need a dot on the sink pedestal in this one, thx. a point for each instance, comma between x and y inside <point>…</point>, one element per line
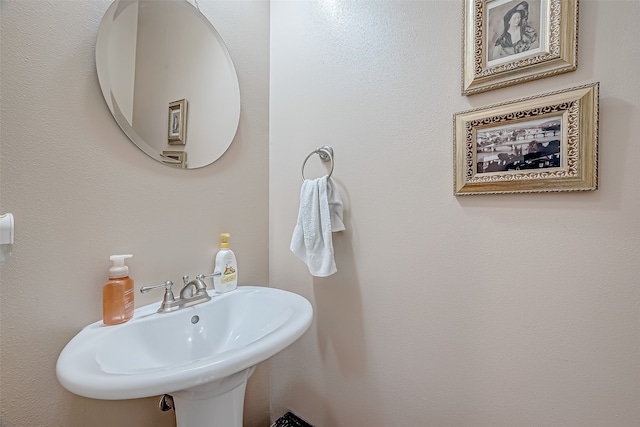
<point>218,403</point>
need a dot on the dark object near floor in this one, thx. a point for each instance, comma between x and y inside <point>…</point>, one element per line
<point>290,420</point>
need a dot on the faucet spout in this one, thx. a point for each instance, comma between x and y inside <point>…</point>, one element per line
<point>193,288</point>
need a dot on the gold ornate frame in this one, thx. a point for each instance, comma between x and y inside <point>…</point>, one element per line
<point>177,159</point>
<point>576,110</point>
<point>177,123</point>
<point>557,53</point>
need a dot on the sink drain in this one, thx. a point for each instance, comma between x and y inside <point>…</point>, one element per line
<point>195,319</point>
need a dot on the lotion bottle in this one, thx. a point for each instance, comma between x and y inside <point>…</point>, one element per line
<point>227,266</point>
<point>117,294</point>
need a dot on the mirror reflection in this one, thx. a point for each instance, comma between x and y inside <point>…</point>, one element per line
<point>168,80</point>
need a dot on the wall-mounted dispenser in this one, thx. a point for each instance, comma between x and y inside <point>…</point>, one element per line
<point>6,237</point>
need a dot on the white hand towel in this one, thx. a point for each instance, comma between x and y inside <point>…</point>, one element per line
<point>320,214</point>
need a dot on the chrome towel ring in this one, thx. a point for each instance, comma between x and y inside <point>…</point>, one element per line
<point>325,153</point>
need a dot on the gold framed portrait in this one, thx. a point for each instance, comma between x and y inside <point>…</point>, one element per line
<point>506,42</point>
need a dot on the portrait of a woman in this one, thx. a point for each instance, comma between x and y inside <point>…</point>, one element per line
<point>518,36</point>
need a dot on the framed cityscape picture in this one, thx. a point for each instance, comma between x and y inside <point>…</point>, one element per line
<point>539,144</point>
<point>177,159</point>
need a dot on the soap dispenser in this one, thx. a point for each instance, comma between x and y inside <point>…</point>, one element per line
<point>225,264</point>
<point>117,294</point>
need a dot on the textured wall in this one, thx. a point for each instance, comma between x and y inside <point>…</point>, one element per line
<point>517,310</point>
<point>80,191</point>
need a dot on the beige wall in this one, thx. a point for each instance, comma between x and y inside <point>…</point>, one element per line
<point>80,191</point>
<point>518,310</point>
<point>480,311</point>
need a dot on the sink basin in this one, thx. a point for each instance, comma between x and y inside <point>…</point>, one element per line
<point>207,349</point>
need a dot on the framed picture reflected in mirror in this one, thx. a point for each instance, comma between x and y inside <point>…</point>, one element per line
<point>177,128</point>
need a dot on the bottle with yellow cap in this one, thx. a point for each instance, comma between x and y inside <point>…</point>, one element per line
<point>227,266</point>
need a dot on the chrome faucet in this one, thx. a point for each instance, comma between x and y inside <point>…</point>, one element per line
<point>193,292</point>
<point>193,288</point>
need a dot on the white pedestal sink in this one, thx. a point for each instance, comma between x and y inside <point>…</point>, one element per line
<point>201,355</point>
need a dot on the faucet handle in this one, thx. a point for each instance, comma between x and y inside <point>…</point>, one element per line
<point>202,286</point>
<point>167,286</point>
<point>168,299</point>
<point>206,276</point>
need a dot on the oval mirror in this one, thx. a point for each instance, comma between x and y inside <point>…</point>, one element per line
<point>168,80</point>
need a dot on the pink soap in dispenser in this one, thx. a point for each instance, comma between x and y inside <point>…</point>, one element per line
<point>117,294</point>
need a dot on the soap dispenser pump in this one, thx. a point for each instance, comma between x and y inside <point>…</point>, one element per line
<point>117,294</point>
